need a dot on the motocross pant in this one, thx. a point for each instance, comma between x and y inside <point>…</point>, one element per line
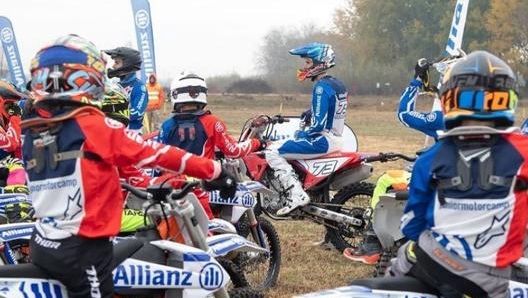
<point>452,275</point>
<point>83,265</point>
<point>278,153</point>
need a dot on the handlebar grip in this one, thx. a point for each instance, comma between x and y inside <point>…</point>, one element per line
<point>181,193</point>
<point>137,192</point>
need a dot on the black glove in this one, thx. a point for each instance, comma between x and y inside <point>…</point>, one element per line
<point>421,70</point>
<point>226,183</point>
<point>306,119</point>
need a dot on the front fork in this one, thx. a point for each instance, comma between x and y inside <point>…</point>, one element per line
<point>255,229</point>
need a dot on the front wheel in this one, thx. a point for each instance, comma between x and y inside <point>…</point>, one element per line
<point>262,270</point>
<point>352,200</point>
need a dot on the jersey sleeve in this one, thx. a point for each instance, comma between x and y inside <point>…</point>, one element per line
<point>108,139</point>
<point>10,137</point>
<point>138,101</point>
<point>227,144</point>
<point>427,123</point>
<point>320,105</point>
<point>421,196</point>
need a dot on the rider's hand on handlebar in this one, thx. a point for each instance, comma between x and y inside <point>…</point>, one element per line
<point>263,145</point>
<point>226,183</point>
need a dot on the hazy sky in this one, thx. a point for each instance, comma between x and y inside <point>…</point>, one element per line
<point>210,37</point>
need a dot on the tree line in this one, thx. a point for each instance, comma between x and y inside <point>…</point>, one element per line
<point>377,43</point>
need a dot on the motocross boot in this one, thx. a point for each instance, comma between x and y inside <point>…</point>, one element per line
<point>298,197</point>
<point>368,252</point>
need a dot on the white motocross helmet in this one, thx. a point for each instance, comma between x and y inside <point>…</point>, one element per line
<point>189,88</point>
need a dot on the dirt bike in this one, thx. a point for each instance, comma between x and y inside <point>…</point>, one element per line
<point>236,215</point>
<point>148,265</point>
<point>404,287</point>
<point>340,172</point>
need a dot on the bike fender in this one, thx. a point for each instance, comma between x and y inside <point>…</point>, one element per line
<point>221,245</point>
<point>218,225</point>
<point>362,292</point>
<point>31,287</point>
<point>9,232</point>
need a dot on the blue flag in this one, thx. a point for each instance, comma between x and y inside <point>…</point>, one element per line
<point>7,35</point>
<point>144,36</point>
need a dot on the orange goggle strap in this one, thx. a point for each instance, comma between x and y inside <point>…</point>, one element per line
<point>478,100</point>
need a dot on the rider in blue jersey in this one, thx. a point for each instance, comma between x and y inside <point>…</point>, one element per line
<point>468,202</point>
<point>323,135</point>
<point>127,62</point>
<point>428,123</point>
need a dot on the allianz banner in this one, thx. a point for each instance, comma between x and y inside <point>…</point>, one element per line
<point>7,35</point>
<point>144,36</point>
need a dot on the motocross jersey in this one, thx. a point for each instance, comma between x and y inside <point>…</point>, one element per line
<point>73,176</point>
<point>10,141</point>
<point>329,106</point>
<point>137,94</point>
<point>427,123</point>
<point>472,198</point>
<point>200,133</point>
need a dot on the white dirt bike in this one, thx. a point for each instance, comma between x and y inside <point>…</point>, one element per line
<point>149,266</point>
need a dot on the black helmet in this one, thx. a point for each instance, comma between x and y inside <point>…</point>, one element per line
<point>131,61</point>
<point>480,86</point>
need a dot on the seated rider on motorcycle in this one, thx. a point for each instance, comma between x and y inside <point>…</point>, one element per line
<point>197,130</point>
<point>12,173</point>
<point>468,202</point>
<point>323,136</point>
<point>115,106</point>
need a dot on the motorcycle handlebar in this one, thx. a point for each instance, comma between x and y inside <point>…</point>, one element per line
<point>137,192</point>
<point>179,194</point>
<point>390,156</point>
<point>176,194</point>
<point>265,120</point>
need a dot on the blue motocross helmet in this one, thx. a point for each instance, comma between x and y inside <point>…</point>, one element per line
<point>322,57</point>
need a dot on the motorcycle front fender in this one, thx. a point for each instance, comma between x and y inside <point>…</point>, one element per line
<point>221,245</point>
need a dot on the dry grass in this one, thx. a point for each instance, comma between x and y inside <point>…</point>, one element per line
<point>306,268</point>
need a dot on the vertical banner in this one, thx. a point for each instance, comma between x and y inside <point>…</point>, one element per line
<point>144,36</point>
<point>9,44</point>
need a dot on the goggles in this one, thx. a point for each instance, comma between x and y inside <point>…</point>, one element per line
<point>478,100</point>
<point>193,91</point>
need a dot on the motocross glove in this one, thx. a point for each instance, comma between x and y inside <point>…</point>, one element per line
<point>226,183</point>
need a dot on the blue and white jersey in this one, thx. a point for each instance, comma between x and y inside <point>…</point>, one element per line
<point>427,123</point>
<point>329,106</point>
<point>137,94</point>
<point>470,199</point>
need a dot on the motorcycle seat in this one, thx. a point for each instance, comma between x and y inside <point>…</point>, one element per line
<point>404,283</point>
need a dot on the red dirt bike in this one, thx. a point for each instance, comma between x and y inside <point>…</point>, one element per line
<point>335,182</point>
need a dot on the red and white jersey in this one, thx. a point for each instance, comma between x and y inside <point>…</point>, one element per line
<point>73,176</point>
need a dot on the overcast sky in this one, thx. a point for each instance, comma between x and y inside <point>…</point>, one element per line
<point>210,37</point>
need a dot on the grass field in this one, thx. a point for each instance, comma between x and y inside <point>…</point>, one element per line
<point>306,268</point>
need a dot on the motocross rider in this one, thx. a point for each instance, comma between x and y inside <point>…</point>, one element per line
<point>197,130</point>
<point>127,62</point>
<point>323,136</point>
<point>467,208</point>
<point>72,152</point>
